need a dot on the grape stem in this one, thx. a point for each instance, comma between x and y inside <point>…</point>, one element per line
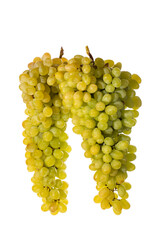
<point>89,54</point>
<point>107,65</point>
<point>61,52</point>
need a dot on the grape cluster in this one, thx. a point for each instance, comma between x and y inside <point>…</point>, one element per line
<point>98,97</point>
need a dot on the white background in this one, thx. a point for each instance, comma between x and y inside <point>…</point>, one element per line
<point>126,31</point>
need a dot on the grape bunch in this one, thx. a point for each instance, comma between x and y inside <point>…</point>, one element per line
<point>102,103</point>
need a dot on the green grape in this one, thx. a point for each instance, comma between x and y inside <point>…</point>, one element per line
<point>91,141</point>
<point>44,172</point>
<point>42,145</point>
<point>123,137</point>
<point>62,207</point>
<point>118,64</point>
<point>107,158</point>
<point>97,199</point>
<point>86,68</point>
<point>95,149</point>
<point>116,82</point>
<point>128,122</point>
<point>110,88</point>
<point>55,194</point>
<point>107,78</point>
<point>125,204</point>
<point>106,149</point>
<point>48,151</point>
<point>47,136</point>
<point>98,72</point>
<point>116,72</point>
<point>47,111</point>
<point>106,168</point>
<point>31,147</point>
<point>39,95</point>
<point>49,161</point>
<point>93,113</point>
<point>127,114</point>
<point>99,62</point>
<point>109,141</point>
<point>111,183</point>
<point>121,191</point>
<point>130,166</point>
<point>122,145</point>
<point>116,164</point>
<point>86,60</point>
<point>102,125</point>
<point>116,154</point>
<point>137,102</point>
<point>127,185</point>
<point>132,149</point>
<point>117,207</point>
<point>39,163</point>
<point>133,84</point>
<point>98,96</point>
<point>53,207</point>
<point>61,174</point>
<point>130,156</point>
<point>55,143</point>
<point>119,105</point>
<point>87,97</point>
<point>125,75</point>
<point>96,133</point>
<point>121,93</point>
<point>92,88</point>
<point>109,130</point>
<point>45,207</point>
<point>111,110</point>
<point>117,124</point>
<point>135,113</point>
<point>37,154</point>
<point>107,98</point>
<point>136,77</point>
<point>104,192</point>
<point>103,117</point>
<point>100,106</point>
<point>124,83</point>
<point>101,100</point>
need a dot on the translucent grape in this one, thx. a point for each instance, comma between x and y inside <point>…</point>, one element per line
<point>49,161</point>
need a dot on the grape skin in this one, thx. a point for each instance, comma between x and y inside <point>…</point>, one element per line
<point>98,97</point>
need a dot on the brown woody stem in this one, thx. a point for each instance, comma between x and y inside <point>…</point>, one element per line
<point>89,54</point>
<point>61,52</point>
